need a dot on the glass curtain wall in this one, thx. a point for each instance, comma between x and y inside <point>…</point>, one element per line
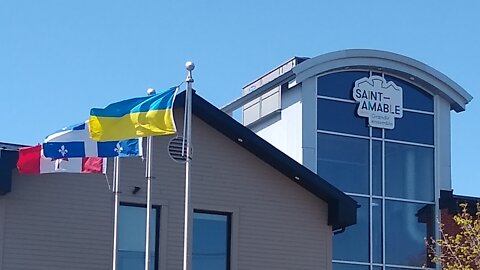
<point>390,173</point>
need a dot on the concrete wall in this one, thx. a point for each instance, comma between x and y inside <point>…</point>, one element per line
<point>284,129</point>
<point>443,144</point>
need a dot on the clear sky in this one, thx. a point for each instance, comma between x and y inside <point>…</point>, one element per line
<point>60,58</point>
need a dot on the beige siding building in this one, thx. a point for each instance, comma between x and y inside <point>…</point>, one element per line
<point>271,212</point>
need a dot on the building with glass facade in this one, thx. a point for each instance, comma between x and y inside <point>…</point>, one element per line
<point>252,207</point>
<point>376,125</point>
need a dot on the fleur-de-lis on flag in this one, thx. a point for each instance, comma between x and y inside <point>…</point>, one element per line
<point>118,148</point>
<point>63,150</point>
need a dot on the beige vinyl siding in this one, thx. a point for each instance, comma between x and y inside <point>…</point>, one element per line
<point>3,207</point>
<point>58,222</point>
<point>65,221</point>
<point>281,225</point>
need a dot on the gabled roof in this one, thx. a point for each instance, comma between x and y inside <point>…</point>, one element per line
<point>342,210</point>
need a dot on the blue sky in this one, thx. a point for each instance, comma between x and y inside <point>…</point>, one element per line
<point>60,58</point>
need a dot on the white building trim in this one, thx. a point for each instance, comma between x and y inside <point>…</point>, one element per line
<point>396,64</point>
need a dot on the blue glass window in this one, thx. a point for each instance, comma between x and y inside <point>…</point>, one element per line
<point>412,127</point>
<point>409,172</point>
<point>211,241</point>
<point>343,249</point>
<point>343,161</point>
<point>340,116</point>
<point>346,266</point>
<point>377,157</point>
<point>131,237</point>
<point>406,227</point>
<point>398,268</point>
<point>377,237</point>
<point>376,132</point>
<point>413,97</point>
<point>340,84</point>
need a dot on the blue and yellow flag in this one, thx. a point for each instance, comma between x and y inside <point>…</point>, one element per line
<point>133,118</point>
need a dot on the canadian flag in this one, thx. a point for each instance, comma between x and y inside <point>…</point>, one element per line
<point>32,161</point>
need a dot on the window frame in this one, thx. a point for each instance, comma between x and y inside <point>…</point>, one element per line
<point>229,215</point>
<point>380,136</point>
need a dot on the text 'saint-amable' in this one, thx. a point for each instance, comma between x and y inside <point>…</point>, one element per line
<point>376,101</point>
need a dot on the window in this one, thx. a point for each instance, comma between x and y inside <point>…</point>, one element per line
<point>412,127</point>
<point>345,266</point>
<point>409,172</point>
<point>267,104</point>
<point>406,227</point>
<point>377,158</point>
<point>343,161</point>
<point>131,237</point>
<point>377,231</point>
<point>413,97</point>
<point>390,173</point>
<point>340,84</point>
<point>343,250</point>
<point>340,116</point>
<point>211,240</point>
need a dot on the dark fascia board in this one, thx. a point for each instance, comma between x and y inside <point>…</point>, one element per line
<point>10,146</point>
<point>342,209</point>
<point>8,161</point>
<point>452,202</point>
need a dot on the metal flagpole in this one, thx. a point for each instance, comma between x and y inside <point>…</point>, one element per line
<point>116,170</point>
<point>148,175</point>
<point>188,106</point>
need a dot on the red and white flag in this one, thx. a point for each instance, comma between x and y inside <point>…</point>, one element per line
<point>32,161</point>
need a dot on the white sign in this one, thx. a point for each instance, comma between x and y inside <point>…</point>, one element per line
<point>379,100</point>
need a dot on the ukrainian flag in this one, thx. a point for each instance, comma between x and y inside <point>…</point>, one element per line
<point>133,118</point>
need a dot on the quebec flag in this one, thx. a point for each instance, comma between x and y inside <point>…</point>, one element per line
<point>74,141</point>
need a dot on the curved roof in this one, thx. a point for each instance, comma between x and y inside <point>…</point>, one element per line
<point>396,64</point>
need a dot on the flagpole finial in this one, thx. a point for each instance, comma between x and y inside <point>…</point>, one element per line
<point>151,91</point>
<point>190,66</point>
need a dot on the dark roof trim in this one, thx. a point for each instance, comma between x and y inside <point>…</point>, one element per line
<point>8,161</point>
<point>451,202</point>
<point>342,210</point>
<point>10,146</point>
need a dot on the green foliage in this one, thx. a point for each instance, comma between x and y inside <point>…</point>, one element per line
<point>460,250</point>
